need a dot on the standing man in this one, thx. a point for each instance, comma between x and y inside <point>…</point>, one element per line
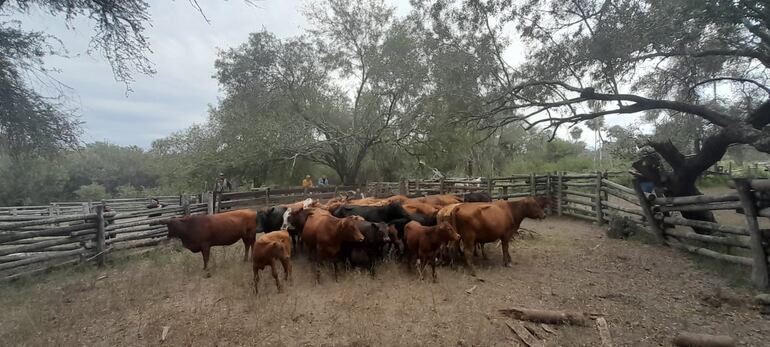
<point>307,182</point>
<point>323,181</point>
<point>221,185</point>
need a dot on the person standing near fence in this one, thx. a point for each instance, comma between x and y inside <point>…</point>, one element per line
<point>221,185</point>
<point>323,181</point>
<point>307,182</point>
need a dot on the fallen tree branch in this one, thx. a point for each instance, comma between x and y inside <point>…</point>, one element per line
<point>551,317</point>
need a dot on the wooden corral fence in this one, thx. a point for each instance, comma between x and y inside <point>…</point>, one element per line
<point>277,196</point>
<point>599,198</point>
<point>37,242</point>
<point>31,244</point>
<point>79,207</point>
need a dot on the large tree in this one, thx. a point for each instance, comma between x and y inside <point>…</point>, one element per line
<point>354,82</point>
<point>594,58</point>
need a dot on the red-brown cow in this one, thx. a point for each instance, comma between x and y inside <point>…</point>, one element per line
<point>199,233</point>
<point>420,207</point>
<point>267,249</point>
<point>323,235</point>
<point>481,223</point>
<point>424,242</point>
<point>438,200</point>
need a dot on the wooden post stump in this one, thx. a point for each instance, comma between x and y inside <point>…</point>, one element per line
<point>100,237</point>
<point>760,274</point>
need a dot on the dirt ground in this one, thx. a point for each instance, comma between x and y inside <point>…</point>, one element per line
<point>648,293</point>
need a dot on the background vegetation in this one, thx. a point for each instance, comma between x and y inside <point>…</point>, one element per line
<point>368,95</point>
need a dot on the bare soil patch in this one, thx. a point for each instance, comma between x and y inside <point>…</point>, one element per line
<point>648,293</point>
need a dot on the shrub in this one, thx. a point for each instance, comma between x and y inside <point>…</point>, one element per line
<point>93,191</point>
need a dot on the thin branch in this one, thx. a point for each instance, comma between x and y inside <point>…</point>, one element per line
<point>197,6</point>
<point>735,79</point>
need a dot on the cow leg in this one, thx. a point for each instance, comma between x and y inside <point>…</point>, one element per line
<point>506,254</point>
<point>274,272</point>
<point>286,264</point>
<point>205,252</point>
<point>246,247</point>
<point>483,252</point>
<point>336,275</point>
<point>433,268</point>
<point>256,280</point>
<point>421,268</point>
<point>468,245</point>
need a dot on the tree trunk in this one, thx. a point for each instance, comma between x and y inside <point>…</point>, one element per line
<point>681,182</point>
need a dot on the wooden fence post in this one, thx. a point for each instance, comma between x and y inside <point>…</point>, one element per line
<point>402,184</point>
<point>186,207</point>
<point>559,189</point>
<point>441,185</point>
<point>209,202</point>
<point>86,209</point>
<point>100,244</point>
<point>760,273</point>
<point>490,186</point>
<point>548,192</point>
<point>648,215</point>
<point>599,213</point>
<point>267,195</point>
<point>532,184</point>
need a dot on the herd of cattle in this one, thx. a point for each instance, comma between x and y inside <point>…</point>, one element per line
<point>363,231</point>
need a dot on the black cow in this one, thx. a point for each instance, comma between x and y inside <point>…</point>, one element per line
<point>372,249</point>
<point>384,213</point>
<point>271,219</point>
<point>476,197</point>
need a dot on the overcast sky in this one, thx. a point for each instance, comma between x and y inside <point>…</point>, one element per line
<point>184,49</point>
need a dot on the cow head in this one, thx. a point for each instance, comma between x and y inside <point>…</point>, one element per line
<point>349,231</point>
<point>286,223</point>
<point>261,220</point>
<point>533,208</point>
<point>544,201</point>
<point>381,230</point>
<point>174,227</point>
<point>447,232</point>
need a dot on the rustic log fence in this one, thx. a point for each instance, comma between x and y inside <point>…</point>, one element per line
<point>48,238</point>
<point>599,198</point>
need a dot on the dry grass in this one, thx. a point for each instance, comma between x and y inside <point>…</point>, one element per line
<point>648,294</point>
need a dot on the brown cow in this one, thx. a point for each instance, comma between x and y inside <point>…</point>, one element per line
<point>398,198</point>
<point>198,233</point>
<point>267,249</point>
<point>368,202</point>
<point>323,235</point>
<point>424,242</point>
<point>438,200</point>
<point>480,222</point>
<point>420,207</point>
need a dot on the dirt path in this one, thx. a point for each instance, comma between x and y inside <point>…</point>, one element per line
<point>647,293</point>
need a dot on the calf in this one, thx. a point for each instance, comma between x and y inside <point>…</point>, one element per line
<point>267,249</point>
<point>376,236</point>
<point>423,243</point>
<point>323,235</point>
<point>198,233</point>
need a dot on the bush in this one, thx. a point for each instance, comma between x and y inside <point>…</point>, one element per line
<point>91,192</point>
<point>128,191</point>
